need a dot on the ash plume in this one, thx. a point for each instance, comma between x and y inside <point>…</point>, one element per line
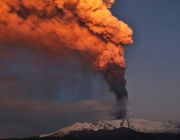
<point>61,26</point>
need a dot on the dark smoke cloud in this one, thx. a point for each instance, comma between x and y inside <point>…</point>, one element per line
<point>114,75</point>
<point>63,26</point>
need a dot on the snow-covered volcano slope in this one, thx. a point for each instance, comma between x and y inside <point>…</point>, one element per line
<point>139,125</point>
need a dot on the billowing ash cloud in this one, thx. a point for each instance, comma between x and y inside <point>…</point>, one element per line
<point>59,26</point>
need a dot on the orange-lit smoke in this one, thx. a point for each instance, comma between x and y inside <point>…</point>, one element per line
<point>86,26</point>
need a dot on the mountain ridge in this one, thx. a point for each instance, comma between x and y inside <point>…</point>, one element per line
<point>128,129</point>
<point>132,123</point>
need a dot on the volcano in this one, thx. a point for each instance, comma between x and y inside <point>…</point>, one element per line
<point>135,124</point>
<point>129,128</point>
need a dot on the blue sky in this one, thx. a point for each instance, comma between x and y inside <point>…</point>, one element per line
<point>153,60</point>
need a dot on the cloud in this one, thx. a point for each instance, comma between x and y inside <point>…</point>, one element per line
<point>22,116</point>
<point>25,104</point>
<point>40,38</point>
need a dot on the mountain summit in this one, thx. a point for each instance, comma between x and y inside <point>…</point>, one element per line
<point>132,123</point>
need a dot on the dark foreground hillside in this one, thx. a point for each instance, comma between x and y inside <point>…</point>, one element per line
<point>119,134</point>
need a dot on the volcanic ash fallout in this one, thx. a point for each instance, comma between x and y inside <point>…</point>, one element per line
<point>86,26</point>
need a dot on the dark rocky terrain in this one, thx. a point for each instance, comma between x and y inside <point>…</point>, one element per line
<point>127,129</point>
<point>116,134</point>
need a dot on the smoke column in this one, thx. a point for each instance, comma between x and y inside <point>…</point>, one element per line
<point>86,26</point>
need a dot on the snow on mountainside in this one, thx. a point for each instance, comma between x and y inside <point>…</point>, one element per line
<point>139,125</point>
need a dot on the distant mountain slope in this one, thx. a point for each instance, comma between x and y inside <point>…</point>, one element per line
<point>134,124</point>
<point>128,129</point>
